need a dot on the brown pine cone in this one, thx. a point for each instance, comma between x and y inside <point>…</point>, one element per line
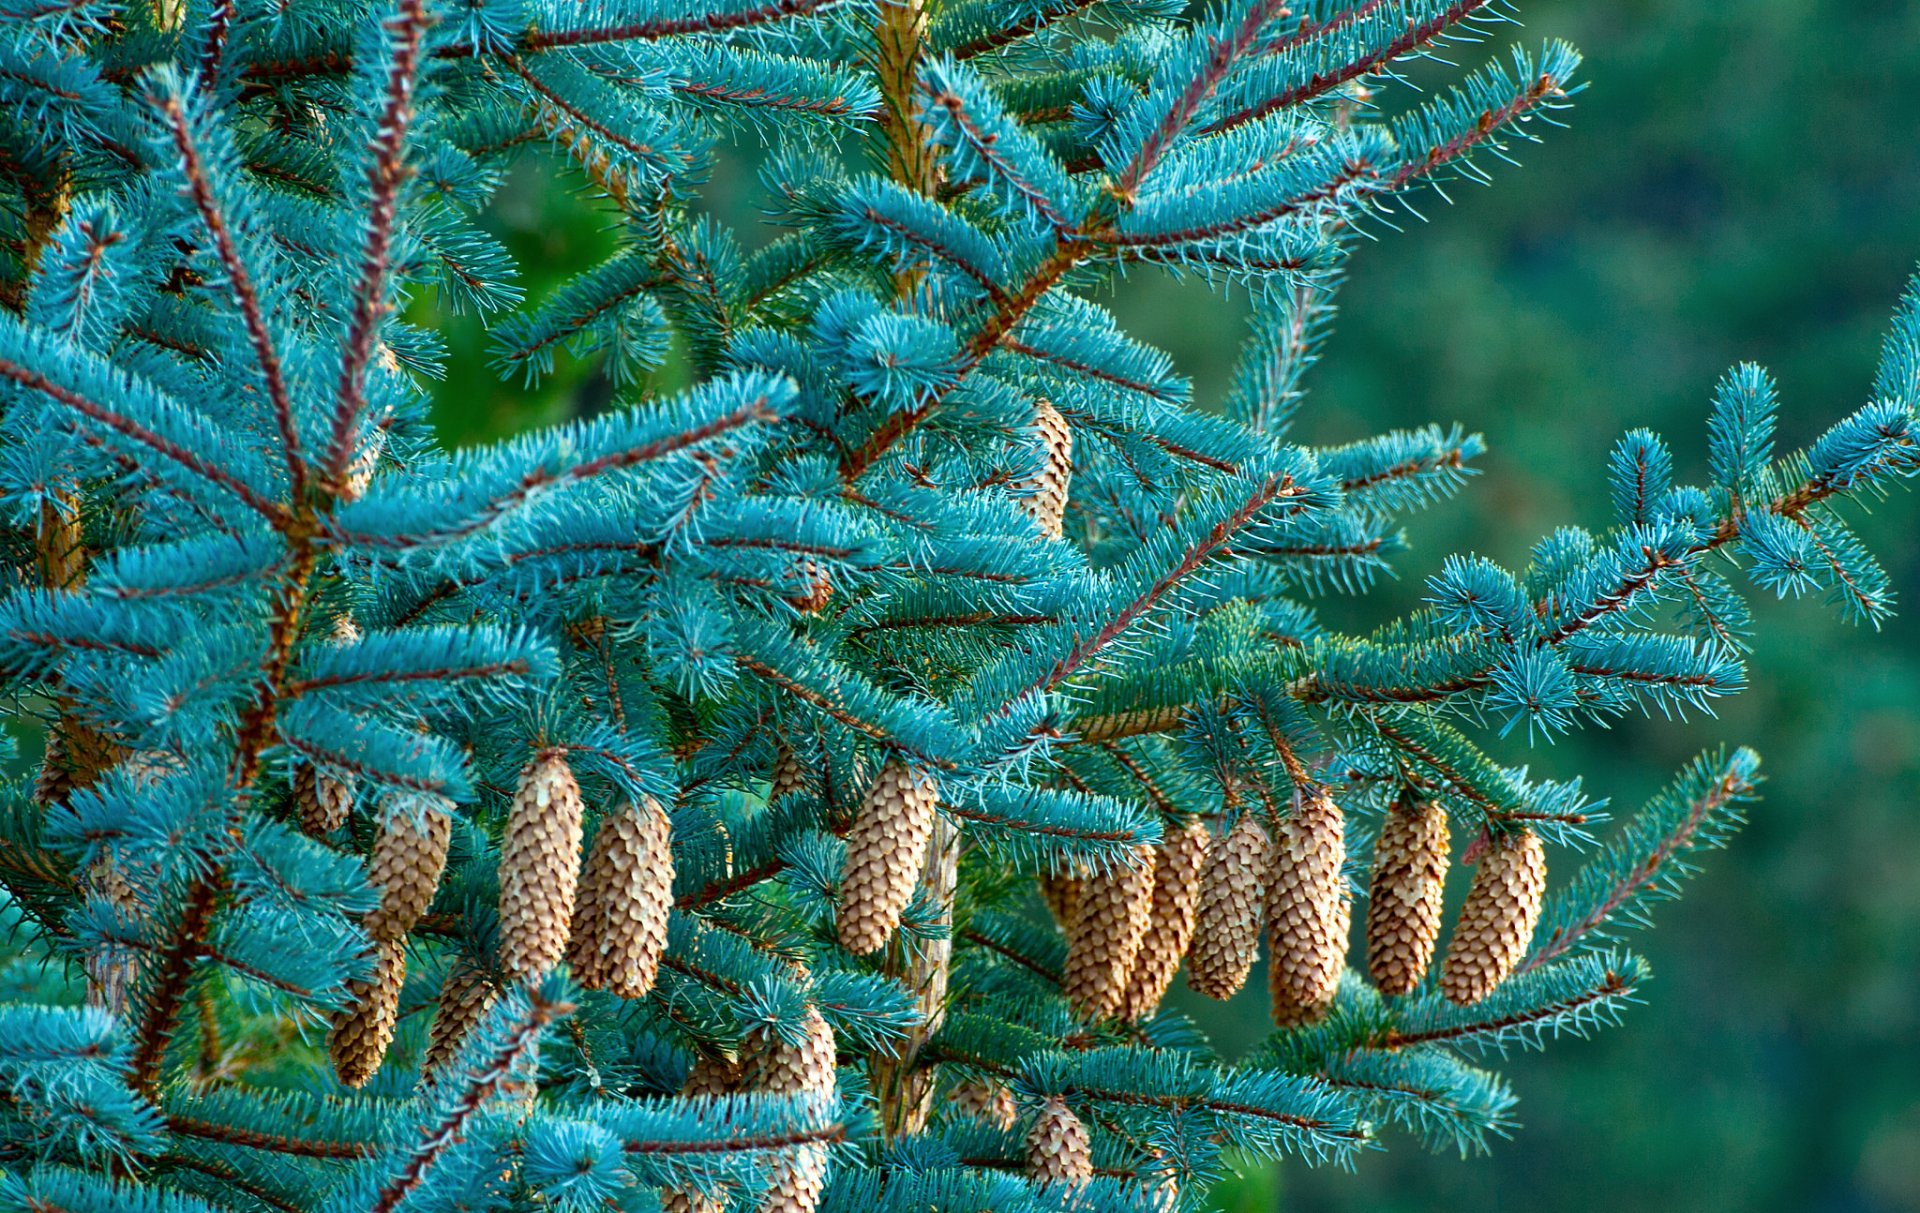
<point>709,1076</point>
<point>987,1101</point>
<point>886,850</point>
<point>789,775</point>
<point>1176,898</point>
<point>1043,496</point>
<point>1114,910</point>
<point>1497,920</point>
<point>1410,862</point>
<point>776,1067</point>
<point>1058,1149</point>
<point>1061,892</point>
<point>620,925</point>
<point>819,587</point>
<point>364,1029</point>
<point>408,856</point>
<point>464,1002</point>
<point>539,865</point>
<point>1233,897</point>
<point>1307,910</point>
<point>322,801</point>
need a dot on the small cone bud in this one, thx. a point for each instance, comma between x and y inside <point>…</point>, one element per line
<point>1104,940</point>
<point>1307,910</point>
<point>1407,887</point>
<point>1043,495</point>
<point>1058,1149</point>
<point>1233,896</point>
<point>986,1101</point>
<point>1176,898</point>
<point>886,850</point>
<point>408,856</point>
<point>1061,892</point>
<point>778,1068</point>
<point>620,925</point>
<point>1497,920</point>
<point>539,865</point>
<point>464,1002</point>
<point>362,1032</point>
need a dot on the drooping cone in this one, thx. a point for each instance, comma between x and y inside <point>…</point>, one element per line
<point>778,1068</point>
<point>1061,892</point>
<point>1043,496</point>
<point>626,893</point>
<point>1308,912</point>
<point>322,801</point>
<point>709,1076</point>
<point>819,587</point>
<point>1058,1149</point>
<point>464,1001</point>
<point>1497,920</point>
<point>1104,940</point>
<point>408,856</point>
<point>539,865</point>
<point>362,1032</point>
<point>991,1102</point>
<point>886,850</point>
<point>1233,898</point>
<point>789,775</point>
<point>1408,884</point>
<point>1176,898</point>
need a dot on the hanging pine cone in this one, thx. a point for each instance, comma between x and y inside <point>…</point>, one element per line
<point>1307,910</point>
<point>322,801</point>
<point>620,925</point>
<point>1408,885</point>
<point>1497,920</point>
<point>464,1002</point>
<point>789,775</point>
<point>819,585</point>
<point>991,1102</point>
<point>886,850</point>
<point>539,864</point>
<point>1233,897</point>
<point>778,1068</point>
<point>1043,496</point>
<point>1112,917</point>
<point>1176,898</point>
<point>709,1076</point>
<point>408,857</point>
<point>1061,892</point>
<point>362,1031</point>
<point>1058,1149</point>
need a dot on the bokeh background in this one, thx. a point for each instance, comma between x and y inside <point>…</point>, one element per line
<point>1738,182</point>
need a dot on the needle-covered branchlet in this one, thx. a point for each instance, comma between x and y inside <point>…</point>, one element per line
<point>1496,922</point>
<point>539,867</point>
<point>1177,866</point>
<point>626,894</point>
<point>409,853</point>
<point>1410,861</point>
<point>1233,900</point>
<point>886,850</point>
<point>363,1030</point>
<point>1308,909</point>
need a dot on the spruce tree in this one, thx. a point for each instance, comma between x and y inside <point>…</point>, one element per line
<point>663,810</point>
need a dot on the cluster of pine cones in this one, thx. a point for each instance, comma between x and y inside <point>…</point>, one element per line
<point>1209,902</point>
<point>606,917</point>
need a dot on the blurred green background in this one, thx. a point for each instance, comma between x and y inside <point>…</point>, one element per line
<point>1738,182</point>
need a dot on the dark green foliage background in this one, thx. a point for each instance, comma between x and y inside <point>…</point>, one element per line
<point>1739,182</point>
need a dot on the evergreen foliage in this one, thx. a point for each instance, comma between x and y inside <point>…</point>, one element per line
<point>242,578</point>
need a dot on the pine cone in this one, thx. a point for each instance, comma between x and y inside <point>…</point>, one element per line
<point>620,925</point>
<point>362,1032</point>
<point>991,1102</point>
<point>1408,884</point>
<point>1061,892</point>
<point>819,587</point>
<point>1176,897</point>
<point>1115,908</point>
<point>539,864</point>
<point>1043,496</point>
<point>886,850</point>
<point>408,857</point>
<point>1226,925</point>
<point>1497,920</point>
<point>789,775</point>
<point>1307,910</point>
<point>1058,1150</point>
<point>322,801</point>
<point>709,1076</point>
<point>778,1068</point>
<point>464,1002</point>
